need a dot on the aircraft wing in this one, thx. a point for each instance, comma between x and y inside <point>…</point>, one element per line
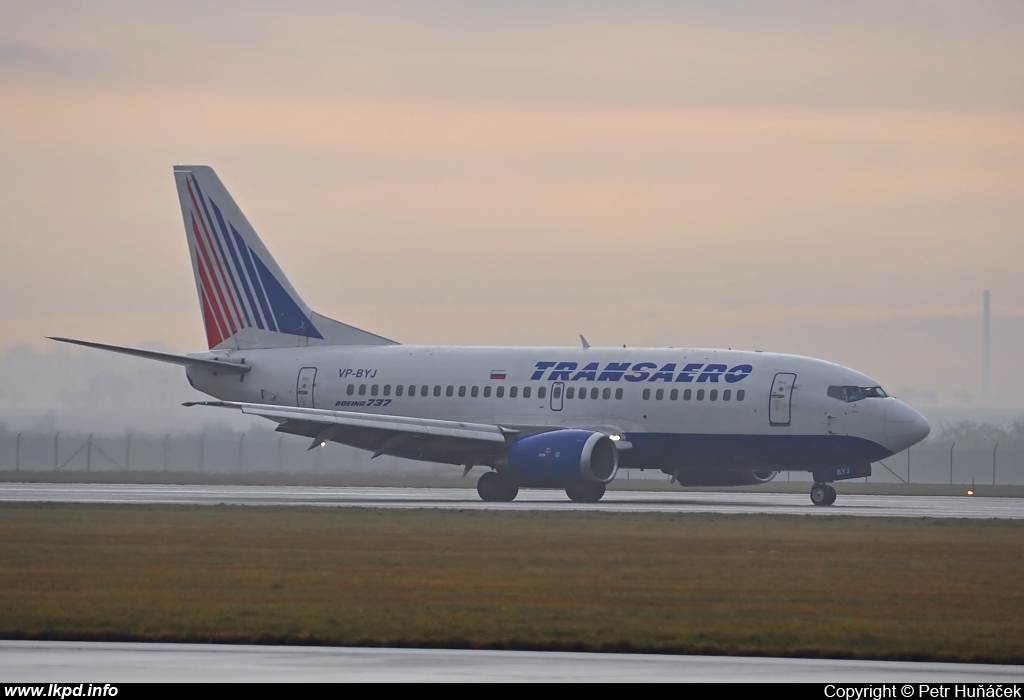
<point>401,436</point>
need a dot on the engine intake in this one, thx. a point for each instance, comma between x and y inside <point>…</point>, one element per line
<point>562,457</point>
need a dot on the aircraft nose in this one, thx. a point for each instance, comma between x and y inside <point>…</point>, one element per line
<point>904,426</point>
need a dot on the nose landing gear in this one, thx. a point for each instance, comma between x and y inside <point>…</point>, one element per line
<point>823,495</point>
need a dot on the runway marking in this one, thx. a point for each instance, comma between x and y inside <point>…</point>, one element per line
<point>123,662</point>
<point>528,500</point>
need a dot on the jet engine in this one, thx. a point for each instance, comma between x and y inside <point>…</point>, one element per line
<point>561,458</point>
<point>708,477</point>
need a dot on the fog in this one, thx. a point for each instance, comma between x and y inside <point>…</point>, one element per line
<point>839,182</point>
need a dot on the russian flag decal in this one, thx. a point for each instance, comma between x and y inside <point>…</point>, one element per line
<point>497,374</point>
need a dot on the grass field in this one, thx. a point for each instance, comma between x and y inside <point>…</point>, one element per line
<point>801,586</point>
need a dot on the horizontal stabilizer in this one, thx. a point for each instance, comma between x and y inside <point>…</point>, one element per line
<point>400,424</point>
<point>183,360</point>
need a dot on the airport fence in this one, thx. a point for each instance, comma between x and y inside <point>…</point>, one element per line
<point>265,451</point>
<point>220,452</point>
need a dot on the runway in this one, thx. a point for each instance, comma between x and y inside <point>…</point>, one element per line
<point>528,500</point>
<point>100,662</point>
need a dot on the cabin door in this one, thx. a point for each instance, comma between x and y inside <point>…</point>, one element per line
<point>304,387</point>
<point>557,389</point>
<point>780,405</point>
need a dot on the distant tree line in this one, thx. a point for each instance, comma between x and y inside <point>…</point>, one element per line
<point>969,433</point>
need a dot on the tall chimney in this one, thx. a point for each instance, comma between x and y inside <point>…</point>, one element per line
<point>986,347</point>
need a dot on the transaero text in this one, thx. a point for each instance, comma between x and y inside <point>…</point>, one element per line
<point>639,372</point>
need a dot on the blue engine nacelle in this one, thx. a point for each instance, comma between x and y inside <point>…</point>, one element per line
<point>562,457</point>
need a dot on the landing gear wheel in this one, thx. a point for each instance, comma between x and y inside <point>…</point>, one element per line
<point>494,488</point>
<point>831,495</point>
<point>585,493</point>
<point>821,495</point>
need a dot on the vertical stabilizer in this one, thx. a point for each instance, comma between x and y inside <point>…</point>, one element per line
<point>245,299</point>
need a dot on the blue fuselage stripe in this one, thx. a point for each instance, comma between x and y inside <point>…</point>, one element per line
<point>672,451</point>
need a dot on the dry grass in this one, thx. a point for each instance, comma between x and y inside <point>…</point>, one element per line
<point>807,586</point>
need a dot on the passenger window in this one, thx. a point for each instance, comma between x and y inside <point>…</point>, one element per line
<point>362,390</point>
<point>351,389</point>
<point>474,392</point>
<point>542,392</point>
<point>700,394</point>
<point>424,390</point>
<point>594,392</point>
<point>412,390</point>
<point>687,394</point>
<point>647,394</point>
<point>374,389</point>
<point>618,393</point>
<point>714,395</point>
<point>659,394</point>
<point>437,390</point>
<point>512,391</point>
<point>727,394</point>
<point>450,391</point>
<point>607,394</point>
<point>570,392</point>
<point>556,392</point>
<point>500,392</point>
<point>387,390</point>
<point>674,395</point>
<point>526,392</point>
<point>399,388</point>
<point>462,392</point>
<point>487,392</point>
<point>740,393</point>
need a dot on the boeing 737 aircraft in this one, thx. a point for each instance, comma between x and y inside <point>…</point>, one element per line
<point>565,418</point>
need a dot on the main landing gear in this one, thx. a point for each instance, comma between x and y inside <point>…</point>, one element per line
<point>823,495</point>
<point>584,492</point>
<point>494,488</point>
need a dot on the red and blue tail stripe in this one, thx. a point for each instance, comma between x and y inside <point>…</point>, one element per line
<point>237,290</point>
<point>235,271</point>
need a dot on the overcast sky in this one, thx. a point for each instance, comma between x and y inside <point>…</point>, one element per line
<point>833,179</point>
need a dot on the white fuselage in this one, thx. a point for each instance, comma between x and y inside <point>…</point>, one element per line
<point>679,408</point>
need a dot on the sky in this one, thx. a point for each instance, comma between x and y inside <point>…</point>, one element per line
<point>840,180</point>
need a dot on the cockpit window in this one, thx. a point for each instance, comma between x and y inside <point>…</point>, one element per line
<point>849,394</point>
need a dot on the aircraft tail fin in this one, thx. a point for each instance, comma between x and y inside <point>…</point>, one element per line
<point>245,298</point>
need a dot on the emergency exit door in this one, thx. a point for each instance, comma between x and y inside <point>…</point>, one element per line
<point>557,389</point>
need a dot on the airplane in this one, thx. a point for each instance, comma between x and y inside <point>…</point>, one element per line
<point>534,417</point>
